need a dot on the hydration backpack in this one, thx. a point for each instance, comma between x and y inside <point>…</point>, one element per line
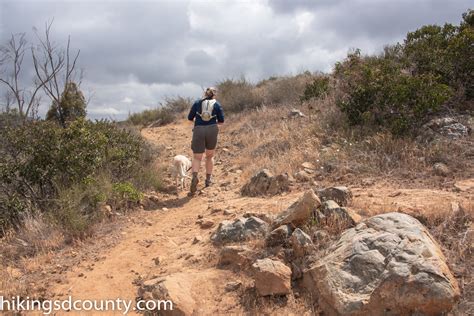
<point>207,106</point>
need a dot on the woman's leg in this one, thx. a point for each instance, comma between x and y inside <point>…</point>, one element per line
<point>209,161</point>
<point>196,162</point>
<point>209,165</point>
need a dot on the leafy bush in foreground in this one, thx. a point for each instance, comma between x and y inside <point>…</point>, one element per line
<point>53,169</point>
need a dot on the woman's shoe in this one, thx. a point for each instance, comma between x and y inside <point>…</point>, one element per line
<point>194,183</point>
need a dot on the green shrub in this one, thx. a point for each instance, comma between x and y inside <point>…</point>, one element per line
<point>377,91</point>
<point>429,73</point>
<point>316,89</point>
<point>72,105</point>
<point>445,52</point>
<point>41,161</point>
<point>125,195</point>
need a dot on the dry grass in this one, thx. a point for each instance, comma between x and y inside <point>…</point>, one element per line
<point>34,236</point>
<point>267,138</point>
<point>10,285</point>
<point>455,233</point>
<point>284,90</point>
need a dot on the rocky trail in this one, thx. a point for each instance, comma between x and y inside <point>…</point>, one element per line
<point>173,237</point>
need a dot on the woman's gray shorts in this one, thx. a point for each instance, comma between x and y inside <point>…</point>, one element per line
<point>204,137</point>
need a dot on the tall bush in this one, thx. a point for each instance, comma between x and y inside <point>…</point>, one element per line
<point>40,159</point>
<point>378,91</point>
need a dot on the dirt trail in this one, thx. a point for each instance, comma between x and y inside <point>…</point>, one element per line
<point>160,242</point>
<point>166,237</point>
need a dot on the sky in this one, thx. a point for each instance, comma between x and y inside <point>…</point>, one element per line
<point>136,53</point>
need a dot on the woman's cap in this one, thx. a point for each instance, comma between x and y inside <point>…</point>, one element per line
<point>210,91</point>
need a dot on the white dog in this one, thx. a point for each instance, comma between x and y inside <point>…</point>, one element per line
<point>181,166</point>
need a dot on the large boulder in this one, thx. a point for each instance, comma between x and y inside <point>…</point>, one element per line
<point>240,229</point>
<point>386,265</point>
<point>272,277</point>
<point>300,211</point>
<point>340,194</point>
<point>175,288</point>
<point>265,183</point>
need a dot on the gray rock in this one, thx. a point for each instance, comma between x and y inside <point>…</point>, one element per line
<point>278,236</point>
<point>334,214</point>
<point>340,194</point>
<point>295,113</point>
<point>265,183</point>
<point>386,265</point>
<point>239,229</point>
<point>300,211</point>
<point>263,216</point>
<point>440,169</point>
<point>233,286</point>
<point>175,287</point>
<point>448,127</point>
<point>272,277</point>
<point>301,243</point>
<point>302,176</point>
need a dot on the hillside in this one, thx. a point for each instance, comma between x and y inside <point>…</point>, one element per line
<point>172,236</point>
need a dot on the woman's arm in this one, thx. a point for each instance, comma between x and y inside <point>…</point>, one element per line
<point>220,114</point>
<point>192,112</point>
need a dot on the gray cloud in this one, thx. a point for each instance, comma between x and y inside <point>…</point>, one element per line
<point>137,52</point>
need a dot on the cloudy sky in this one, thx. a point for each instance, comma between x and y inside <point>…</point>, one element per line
<point>135,53</point>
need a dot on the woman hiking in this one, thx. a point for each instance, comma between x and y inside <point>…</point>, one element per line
<point>206,113</point>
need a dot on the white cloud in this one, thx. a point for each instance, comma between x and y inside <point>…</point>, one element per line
<point>135,53</point>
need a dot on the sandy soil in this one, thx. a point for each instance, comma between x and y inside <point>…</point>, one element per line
<point>160,242</point>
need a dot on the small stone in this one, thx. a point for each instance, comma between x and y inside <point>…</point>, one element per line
<point>233,286</point>
<point>149,223</point>
<point>308,165</point>
<point>215,210</point>
<point>302,176</point>
<point>272,277</point>
<point>440,169</point>
<point>207,224</point>
<point>197,239</point>
<point>228,212</point>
